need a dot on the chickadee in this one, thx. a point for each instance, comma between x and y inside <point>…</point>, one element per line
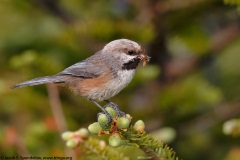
<point>101,76</point>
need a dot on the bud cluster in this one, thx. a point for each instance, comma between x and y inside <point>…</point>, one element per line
<point>118,125</point>
<point>73,139</point>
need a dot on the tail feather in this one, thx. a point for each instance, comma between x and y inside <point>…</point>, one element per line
<point>41,80</point>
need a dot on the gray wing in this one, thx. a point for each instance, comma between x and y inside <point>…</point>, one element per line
<point>89,68</point>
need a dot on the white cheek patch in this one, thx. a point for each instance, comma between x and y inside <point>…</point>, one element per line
<point>126,58</point>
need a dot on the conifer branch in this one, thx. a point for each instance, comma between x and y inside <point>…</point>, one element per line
<point>153,148</point>
<point>121,134</point>
<point>103,151</point>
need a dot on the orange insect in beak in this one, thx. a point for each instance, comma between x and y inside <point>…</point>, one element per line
<point>144,58</point>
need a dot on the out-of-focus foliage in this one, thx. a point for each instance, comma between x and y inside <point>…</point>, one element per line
<point>233,2</point>
<point>191,84</point>
<point>232,127</point>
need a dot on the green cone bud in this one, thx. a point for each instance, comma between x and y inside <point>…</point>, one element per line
<point>129,117</point>
<point>83,133</point>
<point>111,111</point>
<point>72,143</point>
<point>67,135</point>
<point>103,122</point>
<point>123,123</point>
<point>139,126</point>
<point>94,128</point>
<point>115,140</point>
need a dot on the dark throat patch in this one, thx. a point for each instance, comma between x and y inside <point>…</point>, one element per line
<point>131,64</point>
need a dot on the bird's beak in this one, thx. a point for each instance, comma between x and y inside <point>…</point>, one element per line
<point>144,58</point>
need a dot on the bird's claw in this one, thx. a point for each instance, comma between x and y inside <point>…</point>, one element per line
<point>108,116</point>
<point>115,107</point>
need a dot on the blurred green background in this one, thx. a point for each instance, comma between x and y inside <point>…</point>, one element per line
<point>184,95</point>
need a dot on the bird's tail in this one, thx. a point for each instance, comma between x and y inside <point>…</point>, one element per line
<point>41,80</point>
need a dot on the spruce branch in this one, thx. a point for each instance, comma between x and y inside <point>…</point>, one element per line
<point>99,147</point>
<point>90,145</point>
<point>122,133</point>
<point>154,148</point>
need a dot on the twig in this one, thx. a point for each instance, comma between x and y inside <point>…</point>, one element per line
<point>58,113</point>
<point>150,153</point>
<point>56,107</point>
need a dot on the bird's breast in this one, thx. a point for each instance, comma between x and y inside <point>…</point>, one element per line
<point>123,78</point>
<point>119,82</point>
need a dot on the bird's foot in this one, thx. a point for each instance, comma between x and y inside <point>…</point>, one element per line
<point>110,119</point>
<point>103,111</point>
<point>115,107</point>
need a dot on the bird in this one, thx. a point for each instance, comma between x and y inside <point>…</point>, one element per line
<point>100,76</point>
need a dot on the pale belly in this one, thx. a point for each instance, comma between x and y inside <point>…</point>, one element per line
<point>112,88</point>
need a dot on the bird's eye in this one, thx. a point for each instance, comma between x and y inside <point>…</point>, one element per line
<point>130,52</point>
